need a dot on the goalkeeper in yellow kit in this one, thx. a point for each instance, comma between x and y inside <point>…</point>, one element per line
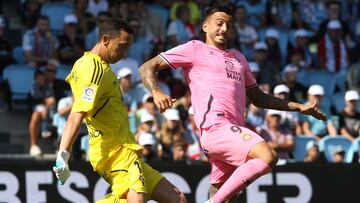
<point>114,153</point>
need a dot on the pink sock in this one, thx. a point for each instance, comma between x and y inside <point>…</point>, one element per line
<point>242,177</point>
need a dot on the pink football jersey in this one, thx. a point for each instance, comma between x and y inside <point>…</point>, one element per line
<point>217,79</point>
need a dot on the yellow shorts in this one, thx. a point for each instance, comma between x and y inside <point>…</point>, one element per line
<point>128,171</point>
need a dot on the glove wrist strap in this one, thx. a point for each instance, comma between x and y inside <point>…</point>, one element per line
<point>63,155</point>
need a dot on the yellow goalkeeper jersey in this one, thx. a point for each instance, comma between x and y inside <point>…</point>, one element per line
<point>96,92</point>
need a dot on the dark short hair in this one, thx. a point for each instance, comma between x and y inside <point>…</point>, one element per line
<point>180,143</point>
<point>181,9</point>
<point>76,1</point>
<point>37,73</point>
<point>113,27</point>
<point>329,3</point>
<point>217,7</point>
<point>104,13</point>
<point>133,19</point>
<point>240,7</point>
<point>43,17</point>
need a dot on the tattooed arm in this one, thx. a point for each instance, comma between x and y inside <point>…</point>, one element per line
<point>148,72</point>
<point>263,100</point>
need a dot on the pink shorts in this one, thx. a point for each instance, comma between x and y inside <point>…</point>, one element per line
<point>227,147</point>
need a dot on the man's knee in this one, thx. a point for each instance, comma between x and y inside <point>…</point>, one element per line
<point>180,196</point>
<point>264,152</point>
<point>269,156</point>
<point>135,197</point>
<point>273,158</point>
<point>166,192</point>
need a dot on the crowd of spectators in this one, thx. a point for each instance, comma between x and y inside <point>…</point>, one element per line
<point>280,39</point>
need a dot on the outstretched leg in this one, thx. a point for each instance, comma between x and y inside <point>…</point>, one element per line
<point>238,156</point>
<point>262,160</point>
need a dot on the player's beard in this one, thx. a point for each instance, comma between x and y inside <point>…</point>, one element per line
<point>218,42</point>
<point>111,59</point>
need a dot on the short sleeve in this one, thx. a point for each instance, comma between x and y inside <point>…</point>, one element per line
<point>289,136</point>
<point>254,34</point>
<point>180,56</point>
<point>61,104</point>
<point>64,102</point>
<point>85,85</point>
<point>171,29</point>
<point>27,44</point>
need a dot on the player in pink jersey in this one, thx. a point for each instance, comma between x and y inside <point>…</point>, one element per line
<point>220,80</point>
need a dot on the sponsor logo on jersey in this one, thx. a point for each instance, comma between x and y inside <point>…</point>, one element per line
<point>232,72</point>
<point>89,94</point>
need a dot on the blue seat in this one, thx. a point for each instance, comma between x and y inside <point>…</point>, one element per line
<point>18,54</point>
<point>91,39</point>
<point>20,78</point>
<point>56,12</point>
<point>161,11</point>
<point>320,77</point>
<point>326,102</point>
<point>356,146</point>
<point>329,144</point>
<point>338,101</point>
<point>292,37</point>
<point>62,71</point>
<point>340,79</point>
<point>300,151</point>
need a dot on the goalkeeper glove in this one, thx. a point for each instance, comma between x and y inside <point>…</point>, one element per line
<point>61,167</point>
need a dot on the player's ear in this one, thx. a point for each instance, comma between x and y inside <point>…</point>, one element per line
<point>205,26</point>
<point>105,39</point>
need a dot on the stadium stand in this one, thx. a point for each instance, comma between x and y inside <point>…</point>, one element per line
<point>299,152</point>
<point>18,54</point>
<point>62,71</point>
<point>356,147</point>
<point>20,76</point>
<point>56,12</point>
<point>330,145</point>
